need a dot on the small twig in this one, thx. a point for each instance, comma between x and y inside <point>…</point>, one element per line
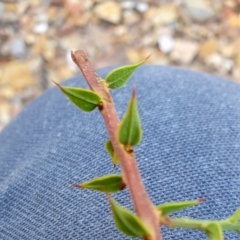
<point>142,204</point>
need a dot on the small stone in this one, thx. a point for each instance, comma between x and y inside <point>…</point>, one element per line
<point>237,60</point>
<point>4,112</point>
<point>199,10</point>
<point>17,75</point>
<point>233,20</point>
<point>22,7</point>
<point>109,11</point>
<point>16,108</point>
<point>30,38</point>
<point>41,24</point>
<point>128,5</point>
<point>6,92</point>
<point>1,8</point>
<point>49,50</point>
<point>231,50</point>
<point>184,51</point>
<point>230,3</point>
<point>18,48</point>
<point>236,74</point>
<point>87,4</point>
<point>81,20</point>
<point>142,7</point>
<point>227,66</point>
<point>120,30</point>
<point>214,61</point>
<point>40,28</point>
<point>149,40</point>
<point>227,49</point>
<point>207,48</point>
<point>35,3</point>
<point>133,55</point>
<point>165,43</point>
<point>165,14</point>
<point>10,7</point>
<point>130,17</point>
<point>39,44</point>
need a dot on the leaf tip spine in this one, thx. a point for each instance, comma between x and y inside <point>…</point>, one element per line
<point>134,91</point>
<point>147,57</point>
<point>200,200</point>
<point>57,84</point>
<point>75,185</point>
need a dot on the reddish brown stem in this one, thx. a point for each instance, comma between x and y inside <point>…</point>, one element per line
<point>142,204</point>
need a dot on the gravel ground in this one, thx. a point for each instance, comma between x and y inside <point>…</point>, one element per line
<point>36,38</point>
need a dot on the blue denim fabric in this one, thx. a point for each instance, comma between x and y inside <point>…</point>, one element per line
<point>190,149</point>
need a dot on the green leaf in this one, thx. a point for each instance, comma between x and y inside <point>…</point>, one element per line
<point>214,231</point>
<point>110,150</point>
<point>171,207</point>
<point>235,216</point>
<point>129,132</point>
<point>127,222</point>
<point>108,183</point>
<point>119,76</point>
<point>84,99</point>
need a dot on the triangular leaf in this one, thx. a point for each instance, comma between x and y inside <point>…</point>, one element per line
<point>214,231</point>
<point>171,207</point>
<point>119,76</point>
<point>127,222</point>
<point>108,183</point>
<point>130,133</point>
<point>110,150</point>
<point>84,99</point>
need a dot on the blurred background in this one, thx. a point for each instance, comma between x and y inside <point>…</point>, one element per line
<point>36,38</point>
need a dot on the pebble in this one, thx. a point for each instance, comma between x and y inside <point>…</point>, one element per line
<point>142,7</point>
<point>20,78</point>
<point>18,48</point>
<point>199,10</point>
<point>208,47</point>
<point>165,43</point>
<point>214,61</point>
<point>227,66</point>
<point>128,4</point>
<point>233,20</point>
<point>41,24</point>
<point>109,11</point>
<point>184,51</point>
<point>1,8</point>
<point>130,17</point>
<point>162,15</point>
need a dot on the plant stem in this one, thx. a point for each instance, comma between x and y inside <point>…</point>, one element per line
<point>198,223</point>
<point>142,204</point>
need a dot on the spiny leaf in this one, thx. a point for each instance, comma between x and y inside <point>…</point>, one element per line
<point>84,99</point>
<point>108,183</point>
<point>110,150</point>
<point>119,76</point>
<point>235,216</point>
<point>127,222</point>
<point>129,132</point>
<point>214,231</point>
<point>171,207</point>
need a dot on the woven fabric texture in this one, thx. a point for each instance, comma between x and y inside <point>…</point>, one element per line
<point>190,149</point>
